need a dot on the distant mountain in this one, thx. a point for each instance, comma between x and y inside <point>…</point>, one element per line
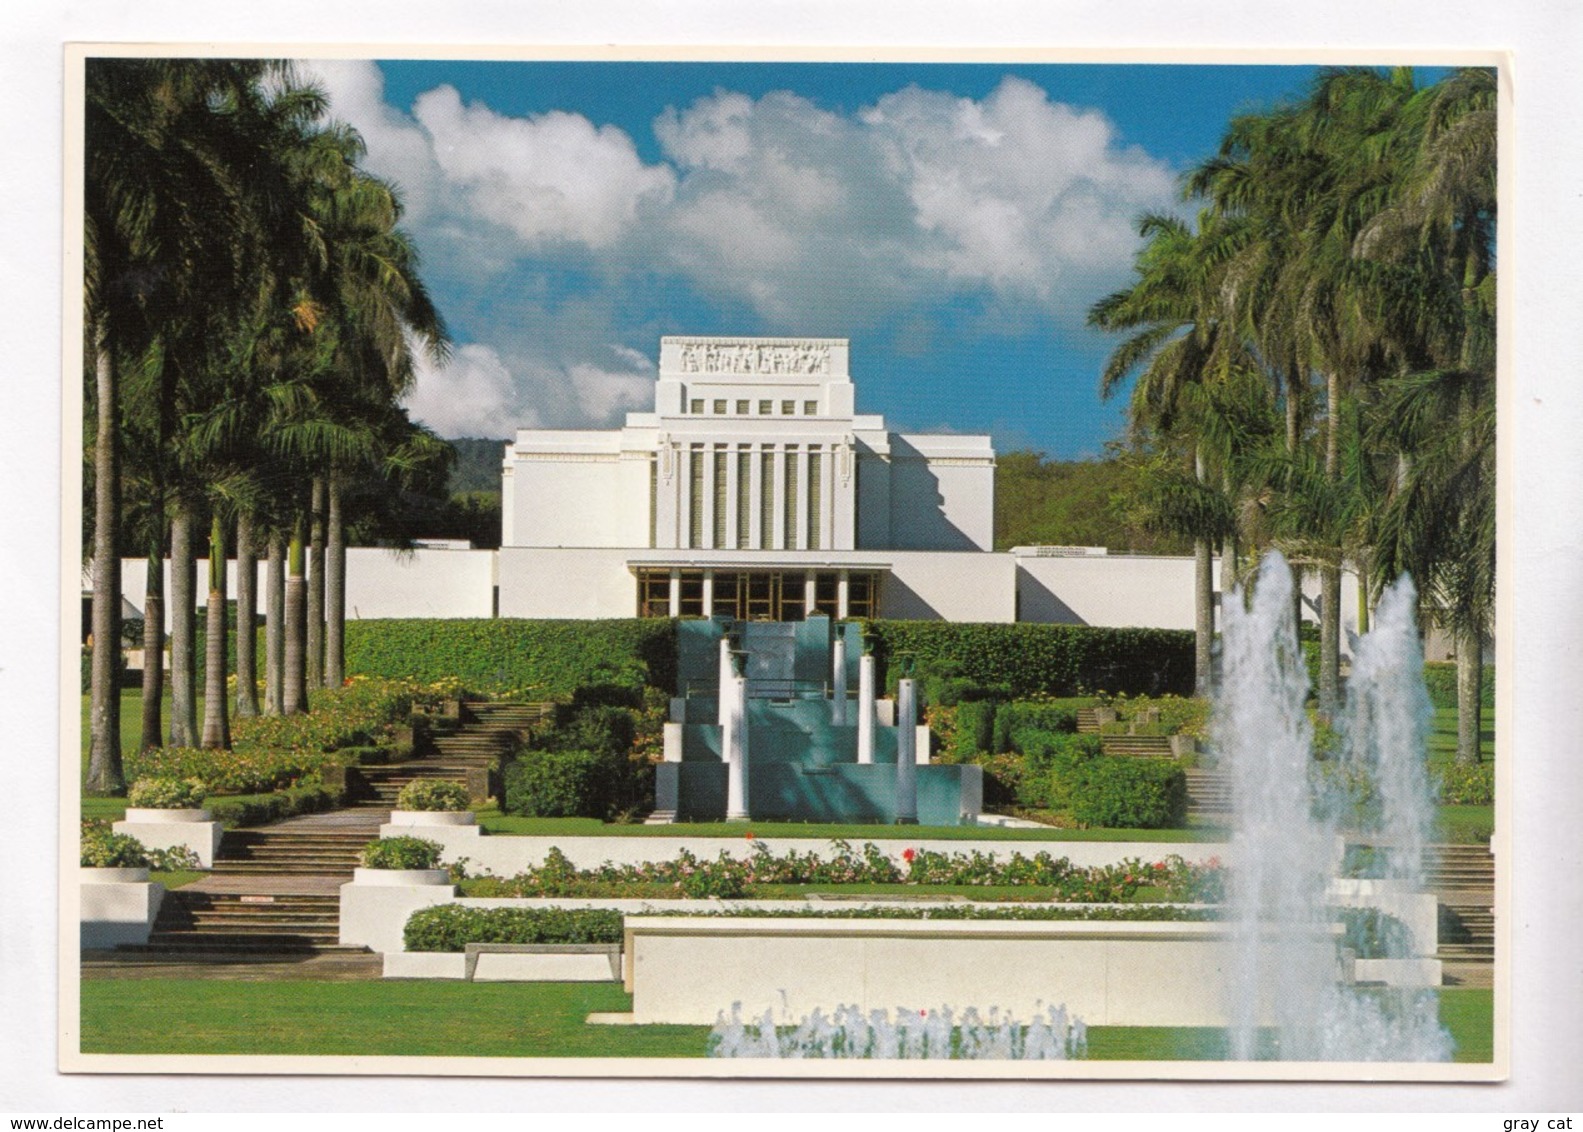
<point>477,465</point>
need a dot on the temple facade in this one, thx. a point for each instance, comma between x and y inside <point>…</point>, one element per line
<point>753,490</point>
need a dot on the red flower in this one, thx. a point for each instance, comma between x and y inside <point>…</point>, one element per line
<point>908,854</point>
<point>750,835</point>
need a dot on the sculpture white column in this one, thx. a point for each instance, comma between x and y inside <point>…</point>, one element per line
<point>906,754</point>
<point>865,709</point>
<point>838,678</point>
<point>810,593</point>
<point>735,738</point>
<point>843,594</point>
<point>709,593</point>
<point>675,594</point>
<point>726,674</point>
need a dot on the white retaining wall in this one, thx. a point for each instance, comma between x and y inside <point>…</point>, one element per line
<point>1108,973</point>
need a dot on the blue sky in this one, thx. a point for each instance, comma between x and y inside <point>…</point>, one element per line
<point>955,221</point>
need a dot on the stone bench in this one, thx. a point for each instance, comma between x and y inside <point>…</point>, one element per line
<point>553,962</point>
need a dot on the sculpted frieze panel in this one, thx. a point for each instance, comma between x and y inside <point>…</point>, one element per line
<point>751,358</point>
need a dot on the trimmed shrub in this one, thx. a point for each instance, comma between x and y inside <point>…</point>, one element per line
<point>975,726</point>
<point>167,793</point>
<point>1050,764</point>
<point>1030,659</point>
<point>433,795</point>
<point>451,927</point>
<point>1030,715</point>
<point>607,730</point>
<point>402,853</point>
<point>102,849</point>
<point>558,784</point>
<point>1461,784</point>
<point>1129,793</point>
<point>273,807</point>
<point>515,657</point>
<point>1441,681</point>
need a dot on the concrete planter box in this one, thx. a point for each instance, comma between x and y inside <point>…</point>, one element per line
<point>433,817</point>
<point>89,875</point>
<point>1117,973</point>
<point>1183,745</point>
<point>1104,715</point>
<point>1398,972</point>
<point>116,906</point>
<point>396,878</point>
<point>1417,909</point>
<point>161,817</point>
<point>376,903</point>
<point>175,829</point>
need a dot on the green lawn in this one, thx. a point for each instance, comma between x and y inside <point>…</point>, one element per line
<point>422,1018</point>
<point>1443,733</point>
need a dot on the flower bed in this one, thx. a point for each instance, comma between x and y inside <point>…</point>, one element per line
<point>687,876</point>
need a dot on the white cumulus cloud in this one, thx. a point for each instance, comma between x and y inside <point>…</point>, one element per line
<point>819,222</point>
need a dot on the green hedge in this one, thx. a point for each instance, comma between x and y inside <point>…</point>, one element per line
<point>537,659</point>
<point>1441,680</point>
<point>1129,793</point>
<point>559,784</point>
<point>1059,660</point>
<point>451,927</point>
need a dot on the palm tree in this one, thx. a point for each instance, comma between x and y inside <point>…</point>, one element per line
<point>1180,341</point>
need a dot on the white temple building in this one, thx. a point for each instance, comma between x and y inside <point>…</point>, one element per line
<point>754,489</point>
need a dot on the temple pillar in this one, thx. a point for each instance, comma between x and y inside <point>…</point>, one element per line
<point>735,740</point>
<point>865,709</point>
<point>906,753</point>
<point>838,679</point>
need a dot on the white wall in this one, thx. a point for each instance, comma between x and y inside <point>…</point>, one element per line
<point>968,586</point>
<point>379,583</point>
<point>566,583</point>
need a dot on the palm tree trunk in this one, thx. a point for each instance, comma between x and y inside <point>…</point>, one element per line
<point>1470,702</point>
<point>183,630</point>
<point>246,615</point>
<point>1329,640</point>
<point>1330,573</point>
<point>154,644</point>
<point>1363,597</point>
<point>335,590</point>
<point>294,690</point>
<point>275,625</point>
<point>105,774</point>
<point>314,671</point>
<point>1294,404</point>
<point>1203,604</point>
<point>216,720</point>
<point>1203,617</point>
<point>1228,549</point>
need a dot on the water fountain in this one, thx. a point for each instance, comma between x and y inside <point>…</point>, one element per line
<point>1287,833</point>
<point>914,1035</point>
<point>1292,997</point>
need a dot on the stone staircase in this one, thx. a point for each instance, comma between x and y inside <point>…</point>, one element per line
<point>1463,880</point>
<point>1137,746</point>
<point>489,732</point>
<point>1208,796</point>
<point>273,895</point>
<point>273,924</point>
<point>287,850</point>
